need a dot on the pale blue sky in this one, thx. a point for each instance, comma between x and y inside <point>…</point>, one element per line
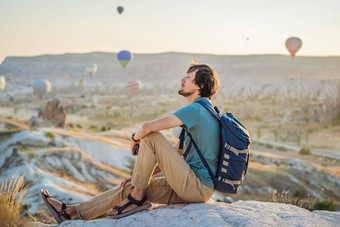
<point>34,27</point>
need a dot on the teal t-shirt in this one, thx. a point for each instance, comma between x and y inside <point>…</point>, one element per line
<point>205,130</point>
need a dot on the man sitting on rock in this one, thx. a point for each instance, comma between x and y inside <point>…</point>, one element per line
<point>185,180</point>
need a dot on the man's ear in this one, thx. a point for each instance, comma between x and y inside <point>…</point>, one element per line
<point>198,87</point>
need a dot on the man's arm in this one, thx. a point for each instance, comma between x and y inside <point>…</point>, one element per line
<point>156,125</point>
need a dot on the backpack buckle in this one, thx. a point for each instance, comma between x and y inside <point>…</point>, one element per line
<point>227,146</point>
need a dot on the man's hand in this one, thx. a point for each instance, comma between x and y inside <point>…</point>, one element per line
<point>126,180</point>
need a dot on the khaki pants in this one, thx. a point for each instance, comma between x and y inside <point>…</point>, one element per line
<point>179,184</point>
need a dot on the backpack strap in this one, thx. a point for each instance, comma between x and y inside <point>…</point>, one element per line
<point>213,112</point>
<point>245,171</point>
<point>192,141</point>
<point>187,150</point>
<point>236,151</point>
<point>200,155</point>
<point>181,142</point>
<point>216,113</point>
<point>181,138</point>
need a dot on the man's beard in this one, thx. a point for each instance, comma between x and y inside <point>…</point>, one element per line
<point>185,94</point>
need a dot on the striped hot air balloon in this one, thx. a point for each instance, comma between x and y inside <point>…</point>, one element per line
<point>134,87</point>
<point>124,58</point>
<point>293,45</point>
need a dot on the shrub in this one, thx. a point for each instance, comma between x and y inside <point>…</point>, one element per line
<point>70,125</point>
<point>50,135</point>
<point>324,164</point>
<point>281,148</point>
<point>269,146</point>
<point>305,151</point>
<point>62,172</point>
<point>12,195</point>
<point>93,127</point>
<point>78,126</point>
<point>284,197</point>
<point>103,128</point>
<point>299,193</point>
<point>324,205</point>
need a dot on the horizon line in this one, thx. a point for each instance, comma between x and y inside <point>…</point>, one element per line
<point>167,52</point>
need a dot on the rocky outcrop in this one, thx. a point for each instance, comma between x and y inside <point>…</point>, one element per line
<point>241,213</point>
<point>55,113</point>
<point>53,116</point>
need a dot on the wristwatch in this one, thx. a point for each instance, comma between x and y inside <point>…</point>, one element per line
<point>134,138</point>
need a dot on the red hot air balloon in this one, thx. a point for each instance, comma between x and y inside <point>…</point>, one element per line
<point>134,87</point>
<point>293,44</point>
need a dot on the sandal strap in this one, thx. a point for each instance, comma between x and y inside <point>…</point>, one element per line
<point>137,202</point>
<point>63,212</point>
<point>120,209</point>
<point>131,201</point>
<point>63,207</point>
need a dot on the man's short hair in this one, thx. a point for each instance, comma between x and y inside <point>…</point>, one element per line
<point>205,78</point>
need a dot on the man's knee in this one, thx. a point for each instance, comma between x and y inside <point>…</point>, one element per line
<point>153,136</point>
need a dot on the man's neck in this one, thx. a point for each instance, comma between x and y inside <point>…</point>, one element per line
<point>192,98</point>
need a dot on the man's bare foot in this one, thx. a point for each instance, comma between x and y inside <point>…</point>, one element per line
<point>57,205</point>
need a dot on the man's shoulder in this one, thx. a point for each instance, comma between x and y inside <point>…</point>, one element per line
<point>191,107</point>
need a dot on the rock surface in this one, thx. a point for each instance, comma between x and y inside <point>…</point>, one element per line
<point>241,213</point>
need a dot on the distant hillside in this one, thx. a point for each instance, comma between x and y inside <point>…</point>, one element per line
<point>169,66</point>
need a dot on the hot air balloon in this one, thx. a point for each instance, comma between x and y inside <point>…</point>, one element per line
<point>41,87</point>
<point>9,77</point>
<point>120,9</point>
<point>293,44</point>
<point>18,69</point>
<point>2,83</point>
<point>124,58</point>
<point>134,86</point>
<point>91,69</point>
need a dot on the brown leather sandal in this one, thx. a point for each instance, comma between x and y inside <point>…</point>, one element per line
<point>140,206</point>
<point>53,211</point>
